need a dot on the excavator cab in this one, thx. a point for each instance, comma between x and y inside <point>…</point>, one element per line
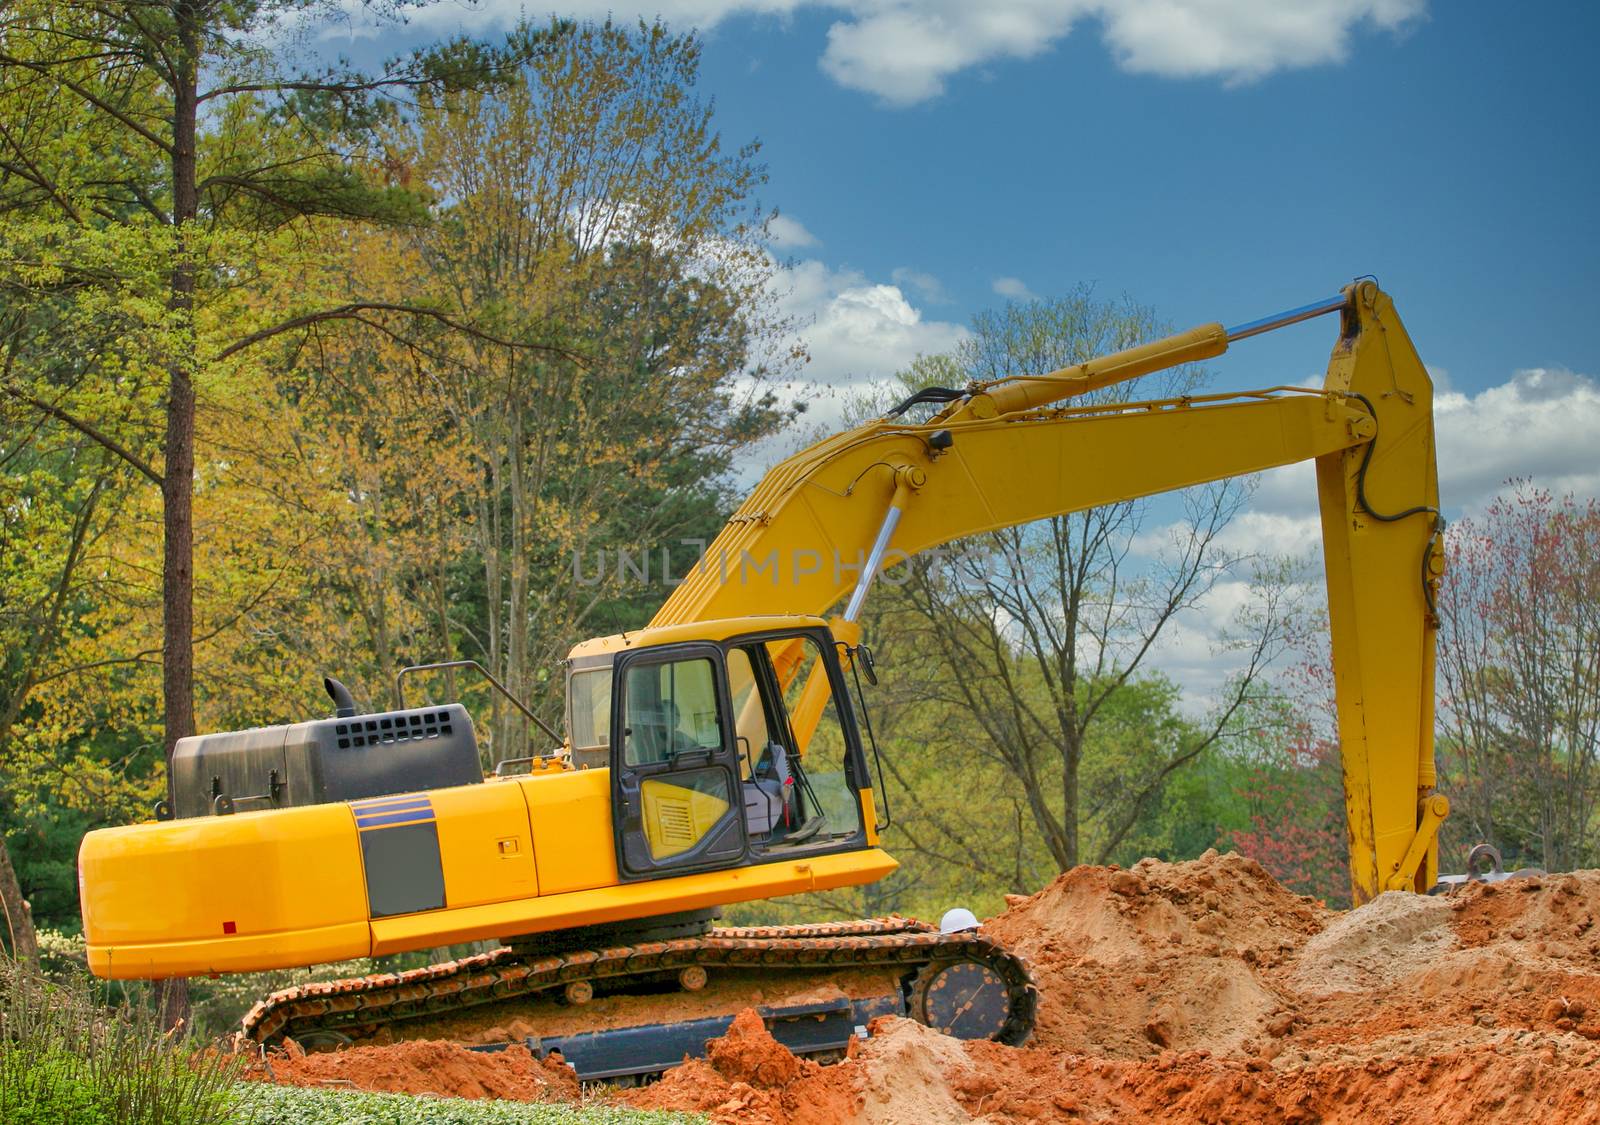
<point>728,753</point>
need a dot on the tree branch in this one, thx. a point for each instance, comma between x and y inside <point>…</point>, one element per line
<point>104,107</point>
<point>353,310</point>
<point>87,430</point>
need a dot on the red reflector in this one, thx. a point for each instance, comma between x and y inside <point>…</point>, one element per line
<point>230,928</point>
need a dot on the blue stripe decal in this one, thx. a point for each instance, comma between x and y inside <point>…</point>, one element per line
<point>420,816</point>
<point>363,807</point>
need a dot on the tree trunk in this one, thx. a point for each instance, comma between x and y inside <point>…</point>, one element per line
<point>177,487</point>
<point>18,913</point>
<point>516,672</point>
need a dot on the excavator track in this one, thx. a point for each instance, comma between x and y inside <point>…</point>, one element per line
<point>359,1007</point>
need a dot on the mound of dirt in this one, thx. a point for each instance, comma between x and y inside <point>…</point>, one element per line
<point>908,1075</point>
<point>1162,956</point>
<point>1394,936</point>
<point>426,1067</point>
<point>1505,1080</point>
<point>750,1076</point>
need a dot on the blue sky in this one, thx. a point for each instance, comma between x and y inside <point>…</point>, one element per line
<point>1217,159</point>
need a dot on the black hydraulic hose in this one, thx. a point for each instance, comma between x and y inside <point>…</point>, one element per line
<point>939,395</point>
<point>1396,517</point>
<point>1361,476</point>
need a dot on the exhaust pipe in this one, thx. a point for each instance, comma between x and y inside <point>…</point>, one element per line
<point>343,702</point>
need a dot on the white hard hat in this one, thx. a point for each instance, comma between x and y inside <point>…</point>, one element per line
<point>954,921</point>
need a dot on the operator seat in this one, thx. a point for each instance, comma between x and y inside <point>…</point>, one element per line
<point>766,791</point>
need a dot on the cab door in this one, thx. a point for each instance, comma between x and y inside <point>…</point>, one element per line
<point>674,763</point>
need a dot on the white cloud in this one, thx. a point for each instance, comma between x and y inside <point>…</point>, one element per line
<point>1241,40</point>
<point>1013,288</point>
<point>786,232</point>
<point>1540,424</point>
<point>858,331</point>
<point>930,287</point>
<point>904,51</point>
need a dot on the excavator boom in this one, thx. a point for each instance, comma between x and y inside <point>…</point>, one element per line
<point>1007,453</point>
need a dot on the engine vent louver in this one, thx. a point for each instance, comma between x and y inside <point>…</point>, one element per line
<point>393,728</point>
<point>677,824</point>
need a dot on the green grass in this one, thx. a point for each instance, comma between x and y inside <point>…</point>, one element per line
<point>67,1060</point>
<point>296,1105</point>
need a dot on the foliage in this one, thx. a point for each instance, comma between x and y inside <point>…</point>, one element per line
<point>65,1059</point>
<point>295,1105</point>
<point>1297,820</point>
<point>1520,680</point>
<point>46,1090</point>
<point>468,487</point>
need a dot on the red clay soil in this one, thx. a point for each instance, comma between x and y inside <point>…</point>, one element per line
<point>750,1076</point>
<point>1206,992</point>
<point>443,1069</point>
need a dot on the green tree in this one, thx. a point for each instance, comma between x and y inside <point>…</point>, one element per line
<point>158,163</point>
<point>589,204</point>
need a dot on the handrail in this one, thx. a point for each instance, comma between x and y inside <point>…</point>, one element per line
<point>400,691</point>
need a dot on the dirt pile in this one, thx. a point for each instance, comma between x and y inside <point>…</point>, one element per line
<point>909,1075</point>
<point>1187,992</point>
<point>750,1076</point>
<point>1206,992</point>
<point>1542,1079</point>
<point>426,1067</point>
<point>1160,956</point>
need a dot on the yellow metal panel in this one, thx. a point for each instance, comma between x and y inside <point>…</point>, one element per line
<point>635,900</point>
<point>869,812</point>
<point>485,845</point>
<point>248,954</point>
<point>162,898</point>
<point>701,630</point>
<point>571,818</point>
<point>676,818</point>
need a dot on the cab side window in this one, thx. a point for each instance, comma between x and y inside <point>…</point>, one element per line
<point>749,711</point>
<point>797,790</point>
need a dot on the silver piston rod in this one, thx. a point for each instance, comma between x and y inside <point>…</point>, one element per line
<point>905,479</point>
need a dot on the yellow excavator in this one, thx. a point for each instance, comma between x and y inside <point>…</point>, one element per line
<point>717,755</point>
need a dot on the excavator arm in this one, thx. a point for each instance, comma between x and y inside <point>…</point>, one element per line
<point>824,522</point>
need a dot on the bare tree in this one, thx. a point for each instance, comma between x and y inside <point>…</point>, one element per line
<point>1038,632</point>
